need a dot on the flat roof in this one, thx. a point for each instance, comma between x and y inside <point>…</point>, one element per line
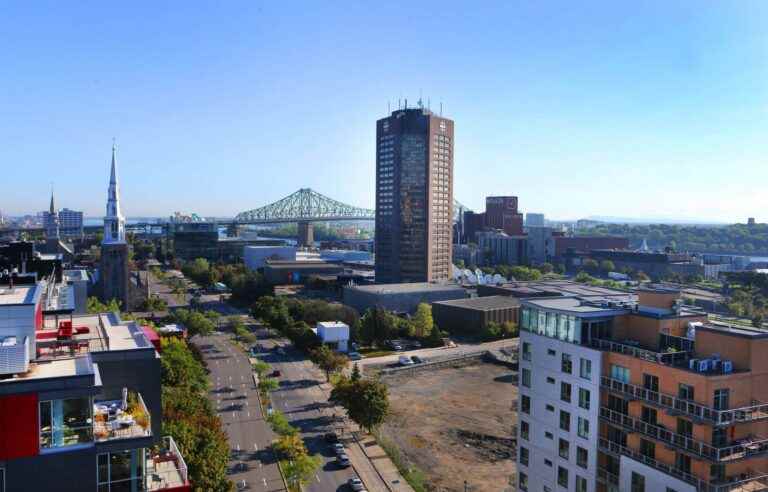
<point>405,288</point>
<point>483,303</point>
<point>106,331</point>
<point>573,305</point>
<point>19,294</point>
<point>735,330</point>
<point>58,368</point>
<point>73,275</point>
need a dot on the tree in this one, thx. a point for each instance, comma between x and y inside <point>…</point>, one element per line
<point>195,322</point>
<point>524,273</point>
<point>279,423</point>
<point>356,376</point>
<point>757,321</point>
<point>422,321</point>
<point>591,265</point>
<point>154,303</point>
<point>273,311</point>
<point>607,266</point>
<point>180,368</point>
<point>583,277</point>
<point>366,401</point>
<point>376,326</point>
<point>289,446</point>
<point>260,367</point>
<point>268,384</point>
<point>328,360</point>
<point>94,306</point>
<point>301,470</point>
<point>546,268</point>
<point>640,276</point>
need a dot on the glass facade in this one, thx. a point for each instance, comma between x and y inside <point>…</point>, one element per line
<point>554,325</point>
<point>66,422</point>
<point>122,471</point>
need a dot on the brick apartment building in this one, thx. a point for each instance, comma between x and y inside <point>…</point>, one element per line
<point>639,396</point>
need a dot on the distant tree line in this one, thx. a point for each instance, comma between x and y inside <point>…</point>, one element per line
<point>735,239</point>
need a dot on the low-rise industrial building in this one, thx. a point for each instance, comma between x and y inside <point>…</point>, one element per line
<point>471,316</point>
<point>400,298</point>
<point>255,257</point>
<point>297,272</point>
<point>335,334</point>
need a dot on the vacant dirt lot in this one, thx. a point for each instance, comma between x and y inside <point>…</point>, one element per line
<point>455,424</point>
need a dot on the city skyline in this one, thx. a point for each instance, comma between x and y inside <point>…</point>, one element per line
<point>566,112</point>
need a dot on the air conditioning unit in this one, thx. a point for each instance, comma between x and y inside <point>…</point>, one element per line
<point>727,366</point>
<point>714,364</point>
<point>703,365</point>
<point>693,364</point>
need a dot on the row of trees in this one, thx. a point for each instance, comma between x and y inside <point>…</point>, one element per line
<point>246,286</point>
<point>189,418</point>
<point>366,401</point>
<point>736,238</point>
<point>379,325</point>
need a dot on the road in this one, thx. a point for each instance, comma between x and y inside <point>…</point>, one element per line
<point>235,398</point>
<point>434,354</point>
<point>303,402</point>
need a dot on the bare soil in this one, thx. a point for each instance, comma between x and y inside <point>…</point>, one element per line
<point>456,424</point>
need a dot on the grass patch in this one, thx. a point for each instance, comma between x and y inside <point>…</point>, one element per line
<point>372,352</point>
<point>414,476</point>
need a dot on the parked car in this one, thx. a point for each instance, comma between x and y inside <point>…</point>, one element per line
<point>342,460</point>
<point>331,437</point>
<point>355,484</point>
<point>416,359</point>
<point>276,374</point>
<point>354,356</point>
<point>404,360</point>
<point>338,449</point>
<point>280,351</point>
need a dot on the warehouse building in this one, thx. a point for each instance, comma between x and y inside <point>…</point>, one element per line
<point>471,316</point>
<point>400,298</point>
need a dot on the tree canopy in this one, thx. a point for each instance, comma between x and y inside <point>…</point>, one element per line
<point>365,400</point>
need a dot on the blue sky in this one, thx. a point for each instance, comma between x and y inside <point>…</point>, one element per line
<point>634,109</point>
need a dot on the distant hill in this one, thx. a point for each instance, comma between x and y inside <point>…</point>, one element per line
<point>726,239</point>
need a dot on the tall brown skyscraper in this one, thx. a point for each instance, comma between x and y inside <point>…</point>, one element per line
<point>414,197</point>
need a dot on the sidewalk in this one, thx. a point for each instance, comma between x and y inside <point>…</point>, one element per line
<point>369,460</point>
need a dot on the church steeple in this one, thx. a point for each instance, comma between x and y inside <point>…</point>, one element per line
<point>114,222</point>
<point>52,221</point>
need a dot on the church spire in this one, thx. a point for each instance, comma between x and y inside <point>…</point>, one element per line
<point>52,220</point>
<point>52,209</point>
<point>114,222</point>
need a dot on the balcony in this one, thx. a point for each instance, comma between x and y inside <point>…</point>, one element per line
<point>752,481</point>
<point>746,448</point>
<point>166,468</point>
<point>121,419</point>
<point>606,477</point>
<point>678,406</point>
<point>676,358</point>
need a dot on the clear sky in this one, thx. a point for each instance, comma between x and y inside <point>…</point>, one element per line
<point>633,109</point>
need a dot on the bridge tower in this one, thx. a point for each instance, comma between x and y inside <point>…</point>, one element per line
<point>306,233</point>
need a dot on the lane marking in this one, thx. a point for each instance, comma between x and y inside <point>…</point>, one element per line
<point>265,482</point>
<point>255,447</point>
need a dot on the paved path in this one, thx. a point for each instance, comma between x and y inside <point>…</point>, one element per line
<point>235,398</point>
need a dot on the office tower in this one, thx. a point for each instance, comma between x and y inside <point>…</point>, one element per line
<point>638,394</point>
<point>71,222</point>
<point>501,213</point>
<point>534,220</point>
<point>414,196</point>
<point>114,249</point>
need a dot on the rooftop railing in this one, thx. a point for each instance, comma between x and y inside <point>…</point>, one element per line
<point>756,411</point>
<point>166,467</point>
<point>676,358</point>
<point>746,448</point>
<point>752,480</point>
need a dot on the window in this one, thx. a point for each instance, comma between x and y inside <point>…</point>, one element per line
<point>685,392</point>
<point>525,430</point>
<point>685,427</point>
<point>582,457</point>
<point>638,482</point>
<point>721,399</point>
<point>581,484</point>
<point>649,415</point>
<point>566,365</point>
<point>525,404</point>
<point>524,456</point>
<point>549,435</point>
<point>585,368</point>
<point>66,422</point>
<point>620,373</point>
<point>618,404</point>
<point>583,428</point>
<point>2,480</point>
<point>121,470</point>
<point>719,437</point>
<point>562,477</point>
<point>565,392</point>
<point>526,381</point>
<point>565,421</point>
<point>716,473</point>
<point>526,351</point>
<point>683,462</point>
<point>564,448</point>
<point>548,462</point>
<point>670,489</point>
<point>651,382</point>
<point>522,481</point>
<point>648,448</point>
<point>584,398</point>
<point>551,352</point>
<point>551,380</point>
<point>550,408</point>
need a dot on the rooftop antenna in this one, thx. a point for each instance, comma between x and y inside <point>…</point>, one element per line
<point>441,108</point>
<point>388,108</point>
<point>406,103</point>
<point>429,104</point>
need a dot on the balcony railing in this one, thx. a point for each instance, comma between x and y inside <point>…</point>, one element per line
<point>166,467</point>
<point>677,358</point>
<point>750,481</point>
<point>118,419</point>
<point>746,448</point>
<point>603,475</point>
<point>692,409</point>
